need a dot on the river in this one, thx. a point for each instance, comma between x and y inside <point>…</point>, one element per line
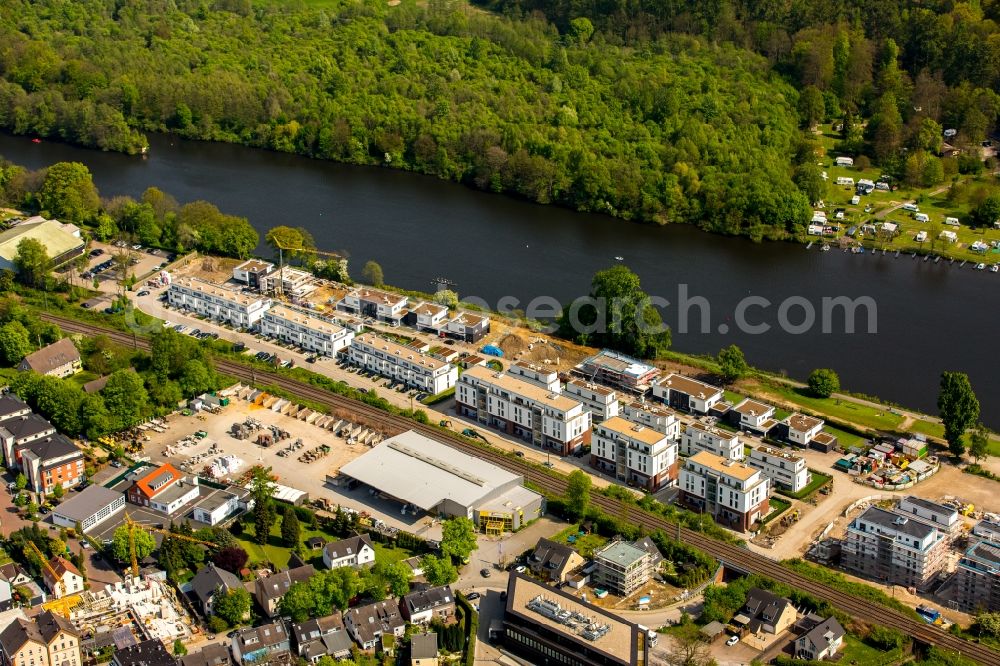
<point>930,317</point>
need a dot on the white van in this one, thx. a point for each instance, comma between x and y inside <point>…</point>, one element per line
<point>921,217</point>
<point>912,207</point>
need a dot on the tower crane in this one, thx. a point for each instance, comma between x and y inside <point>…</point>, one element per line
<point>132,526</point>
<point>60,587</point>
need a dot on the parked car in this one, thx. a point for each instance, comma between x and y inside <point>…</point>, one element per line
<point>472,595</point>
<point>96,252</point>
<point>137,247</point>
<point>484,572</point>
<point>733,640</point>
<point>144,292</point>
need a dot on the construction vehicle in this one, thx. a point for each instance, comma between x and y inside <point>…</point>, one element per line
<point>133,525</point>
<point>444,423</point>
<point>469,432</point>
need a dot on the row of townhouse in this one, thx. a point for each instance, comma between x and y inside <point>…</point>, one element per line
<point>237,308</point>
<point>315,334</point>
<point>395,310</point>
<point>31,445</point>
<point>402,363</point>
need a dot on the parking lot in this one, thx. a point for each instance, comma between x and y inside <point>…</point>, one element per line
<point>101,263</point>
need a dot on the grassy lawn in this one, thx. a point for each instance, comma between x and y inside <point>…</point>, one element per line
<point>778,507</point>
<point>851,412</point>
<point>585,545</point>
<point>387,553</point>
<point>846,439</point>
<point>275,551</point>
<point>732,397</point>
<point>857,651</point>
<point>439,397</point>
<point>927,428</point>
<point>818,479</point>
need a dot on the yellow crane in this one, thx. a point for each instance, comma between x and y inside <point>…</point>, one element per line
<point>60,587</point>
<point>133,525</point>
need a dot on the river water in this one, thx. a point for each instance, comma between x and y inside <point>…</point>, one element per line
<point>930,317</point>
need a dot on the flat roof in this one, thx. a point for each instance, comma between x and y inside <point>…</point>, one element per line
<point>423,472</point>
<point>582,383</point>
<point>401,351</point>
<point>689,386</point>
<point>619,363</point>
<point>376,295</point>
<point>426,308</point>
<point>618,641</point>
<point>621,552</point>
<point>778,453</point>
<point>732,468</point>
<point>712,430</point>
<point>210,289</point>
<point>802,423</point>
<point>753,407</point>
<point>649,407</point>
<point>634,431</point>
<point>87,502</point>
<point>50,233</point>
<point>526,389</point>
<point>303,318</point>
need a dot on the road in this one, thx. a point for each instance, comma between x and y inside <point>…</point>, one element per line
<point>732,555</point>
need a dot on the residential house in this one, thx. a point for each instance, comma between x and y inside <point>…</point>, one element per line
<point>260,644</point>
<point>303,329</point>
<point>18,431</point>
<point>634,454</point>
<point>213,654</point>
<point>59,359</point>
<point>62,577</point>
<point>251,272</point>
<point>975,588</point>
<point>697,436</point>
<point>600,400</point>
<point>823,641</point>
<point>432,603</point>
<point>622,567</point>
<point>893,548</point>
<point>467,326</point>
<point>687,395</point>
<point>785,469</point>
<point>322,636</point>
<point>656,557</point>
<point>763,617</point>
<point>380,305</point>
<point>268,590</point>
<point>150,652</point>
<point>753,416</point>
<point>11,406</point>
<point>162,489</point>
<point>547,419</point>
<point>221,304</point>
<point>52,461</point>
<point>428,317</point>
<point>653,415</point>
<point>988,530</point>
<point>401,363</point>
<point>353,551</point>
<point>734,494</point>
<point>49,639</point>
<point>621,372</point>
<point>367,624</point>
<point>211,581</point>
<point>554,561</point>
<point>800,429</point>
<point>424,649</point>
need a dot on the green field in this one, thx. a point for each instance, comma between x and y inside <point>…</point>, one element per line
<point>778,507</point>
<point>818,479</point>
<point>851,412</point>
<point>857,651</point>
<point>585,545</point>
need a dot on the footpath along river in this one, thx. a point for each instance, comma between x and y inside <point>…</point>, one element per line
<point>930,317</point>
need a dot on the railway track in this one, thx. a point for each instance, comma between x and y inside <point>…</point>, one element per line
<point>733,556</point>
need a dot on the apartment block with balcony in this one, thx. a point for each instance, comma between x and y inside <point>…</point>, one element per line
<point>539,375</point>
<point>600,400</point>
<point>888,547</point>
<point>975,587</point>
<point>239,309</point>
<point>305,330</point>
<point>405,364</point>
<point>753,416</point>
<point>546,419</point>
<point>734,494</point>
<point>380,305</point>
<point>621,372</point>
<point>697,437</point>
<point>653,415</point>
<point>783,468</point>
<point>634,454</point>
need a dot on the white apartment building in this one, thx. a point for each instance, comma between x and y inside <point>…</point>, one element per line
<point>539,375</point>
<point>655,416</point>
<point>697,437</point>
<point>292,283</point>
<point>218,303</point>
<point>733,493</point>
<point>545,418</point>
<point>375,303</point>
<point>686,394</point>
<point>405,364</point>
<point>600,400</point>
<point>784,469</point>
<point>891,548</point>
<point>305,330</point>
<point>802,429</point>
<point>429,316</point>
<point>755,416</point>
<point>634,454</point>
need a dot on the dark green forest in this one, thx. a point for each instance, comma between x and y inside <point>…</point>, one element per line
<point>666,112</point>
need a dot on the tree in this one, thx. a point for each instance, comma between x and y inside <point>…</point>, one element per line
<point>57,491</point>
<point>196,377</point>
<point>298,602</point>
<point>291,531</point>
<point>987,213</point>
<point>823,382</point>
<point>581,29</point>
<point>179,649</point>
<point>458,538</point>
<point>14,342</point>
<point>438,570</point>
<point>812,108</point>
<point>979,442</point>
<point>809,178</point>
<point>687,648</point>
<point>233,606</point>
<point>126,398</point>
<point>732,364</point>
<point>578,492</point>
<point>333,590</point>
<point>446,297</point>
<point>987,624</point>
<point>958,408</point>
<point>264,514</point>
<point>144,544</point>
<point>397,576</point>
<point>231,558</point>
<point>32,262</point>
<point>21,482</point>
<point>68,192</point>
<point>372,274</point>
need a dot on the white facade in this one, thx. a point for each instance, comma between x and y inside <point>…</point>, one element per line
<point>725,488</point>
<point>101,512</point>
<point>784,469</point>
<point>802,429</point>
<point>753,414</point>
<point>430,316</point>
<point>218,303</point>
<point>404,364</point>
<point>305,330</point>
<point>635,453</point>
<point>538,375</point>
<point>523,409</point>
<point>886,546</point>
<point>381,305</point>
<point>293,282</point>
<point>174,498</point>
<point>682,392</point>
<point>653,416</point>
<point>350,552</point>
<point>221,504</point>
<point>251,271</point>
<point>601,401</point>
<point>697,437</point>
